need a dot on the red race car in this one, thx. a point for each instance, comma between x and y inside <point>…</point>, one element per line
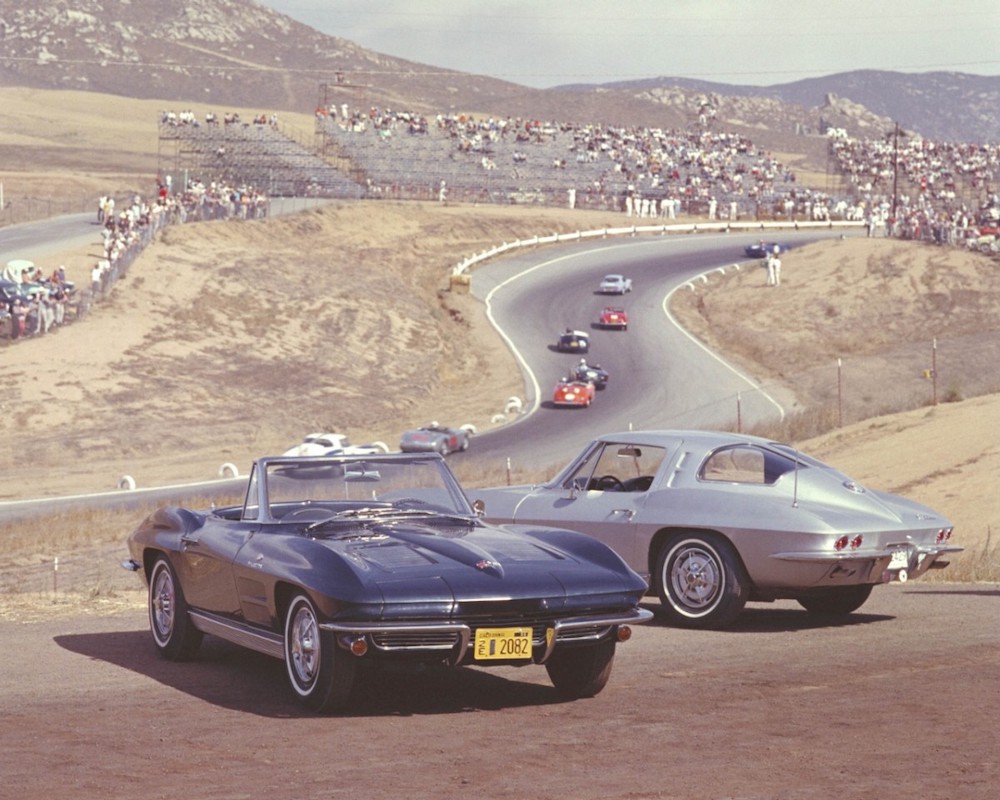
<point>614,317</point>
<point>573,393</point>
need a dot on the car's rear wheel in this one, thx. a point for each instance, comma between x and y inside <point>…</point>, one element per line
<point>174,635</point>
<point>320,673</point>
<point>582,671</point>
<point>837,601</point>
<point>701,581</point>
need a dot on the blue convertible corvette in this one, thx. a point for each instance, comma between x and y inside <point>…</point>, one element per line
<point>332,561</point>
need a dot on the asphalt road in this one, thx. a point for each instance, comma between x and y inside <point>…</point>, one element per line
<point>660,376</point>
<point>899,701</point>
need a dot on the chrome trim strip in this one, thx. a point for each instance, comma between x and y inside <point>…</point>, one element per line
<point>270,644</point>
<point>867,555</point>
<point>635,616</point>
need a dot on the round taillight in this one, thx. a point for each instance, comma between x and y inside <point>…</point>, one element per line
<point>841,543</point>
<point>624,633</point>
<point>856,542</point>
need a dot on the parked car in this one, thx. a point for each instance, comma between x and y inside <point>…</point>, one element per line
<point>332,444</point>
<point>573,393</point>
<point>720,519</point>
<point>762,249</point>
<point>591,373</point>
<point>615,284</point>
<point>435,438</point>
<point>571,341</point>
<point>378,558</point>
<point>613,317</point>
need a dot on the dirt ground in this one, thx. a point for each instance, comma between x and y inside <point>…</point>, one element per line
<point>897,702</point>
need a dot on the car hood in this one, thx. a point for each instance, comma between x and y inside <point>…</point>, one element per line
<point>409,560</point>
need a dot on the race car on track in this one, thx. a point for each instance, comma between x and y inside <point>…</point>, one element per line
<point>374,559</point>
<point>571,341</point>
<point>435,438</point>
<point>614,317</point>
<point>332,444</point>
<point>590,373</point>
<point>762,249</point>
<point>615,284</point>
<point>719,519</point>
<point>570,392</point>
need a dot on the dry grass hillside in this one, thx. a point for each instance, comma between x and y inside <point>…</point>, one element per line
<point>231,339</point>
<point>80,145</point>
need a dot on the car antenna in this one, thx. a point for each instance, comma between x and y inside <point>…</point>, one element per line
<point>795,485</point>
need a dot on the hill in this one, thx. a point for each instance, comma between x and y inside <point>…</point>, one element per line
<point>225,52</point>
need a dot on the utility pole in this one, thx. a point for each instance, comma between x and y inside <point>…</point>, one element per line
<point>895,170</point>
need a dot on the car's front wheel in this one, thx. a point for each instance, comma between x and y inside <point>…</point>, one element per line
<point>836,601</point>
<point>174,634</point>
<point>701,581</point>
<point>320,673</point>
<point>582,671</point>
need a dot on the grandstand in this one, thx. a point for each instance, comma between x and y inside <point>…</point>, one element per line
<point>357,152</point>
<point>257,154</point>
<point>400,155</point>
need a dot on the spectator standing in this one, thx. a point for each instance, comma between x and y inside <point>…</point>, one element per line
<point>19,318</point>
<point>95,281</point>
<point>59,305</point>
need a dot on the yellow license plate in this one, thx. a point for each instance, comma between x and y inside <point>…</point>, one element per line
<point>502,643</point>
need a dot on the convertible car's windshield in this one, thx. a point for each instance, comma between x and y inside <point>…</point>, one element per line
<point>339,483</point>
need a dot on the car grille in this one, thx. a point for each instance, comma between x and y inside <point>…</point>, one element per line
<point>417,639</point>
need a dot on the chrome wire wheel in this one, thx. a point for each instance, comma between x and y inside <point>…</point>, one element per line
<point>696,578</point>
<point>173,632</point>
<point>701,580</point>
<point>304,646</point>
<point>162,604</point>
<point>320,673</point>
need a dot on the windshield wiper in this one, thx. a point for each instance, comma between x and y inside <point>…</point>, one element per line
<point>381,513</point>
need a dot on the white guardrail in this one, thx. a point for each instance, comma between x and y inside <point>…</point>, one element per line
<point>635,230</point>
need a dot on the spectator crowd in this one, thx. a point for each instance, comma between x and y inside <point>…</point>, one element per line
<point>34,304</point>
<point>900,185</point>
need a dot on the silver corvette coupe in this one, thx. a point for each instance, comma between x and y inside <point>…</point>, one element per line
<point>715,520</point>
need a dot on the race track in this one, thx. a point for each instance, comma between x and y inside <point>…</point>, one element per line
<point>660,376</point>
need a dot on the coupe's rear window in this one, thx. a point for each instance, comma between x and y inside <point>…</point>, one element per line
<point>745,464</point>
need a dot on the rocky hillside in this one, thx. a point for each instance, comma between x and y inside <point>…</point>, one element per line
<point>240,53</point>
<point>949,106</point>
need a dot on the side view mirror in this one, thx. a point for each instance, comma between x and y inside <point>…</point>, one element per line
<point>479,506</point>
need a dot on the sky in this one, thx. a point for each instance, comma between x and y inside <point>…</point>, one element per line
<point>543,43</point>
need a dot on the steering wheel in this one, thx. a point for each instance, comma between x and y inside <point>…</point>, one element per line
<point>610,483</point>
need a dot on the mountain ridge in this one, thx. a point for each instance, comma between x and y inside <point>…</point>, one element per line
<point>238,52</point>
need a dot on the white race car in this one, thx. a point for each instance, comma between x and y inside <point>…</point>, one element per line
<point>615,284</point>
<point>333,444</point>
